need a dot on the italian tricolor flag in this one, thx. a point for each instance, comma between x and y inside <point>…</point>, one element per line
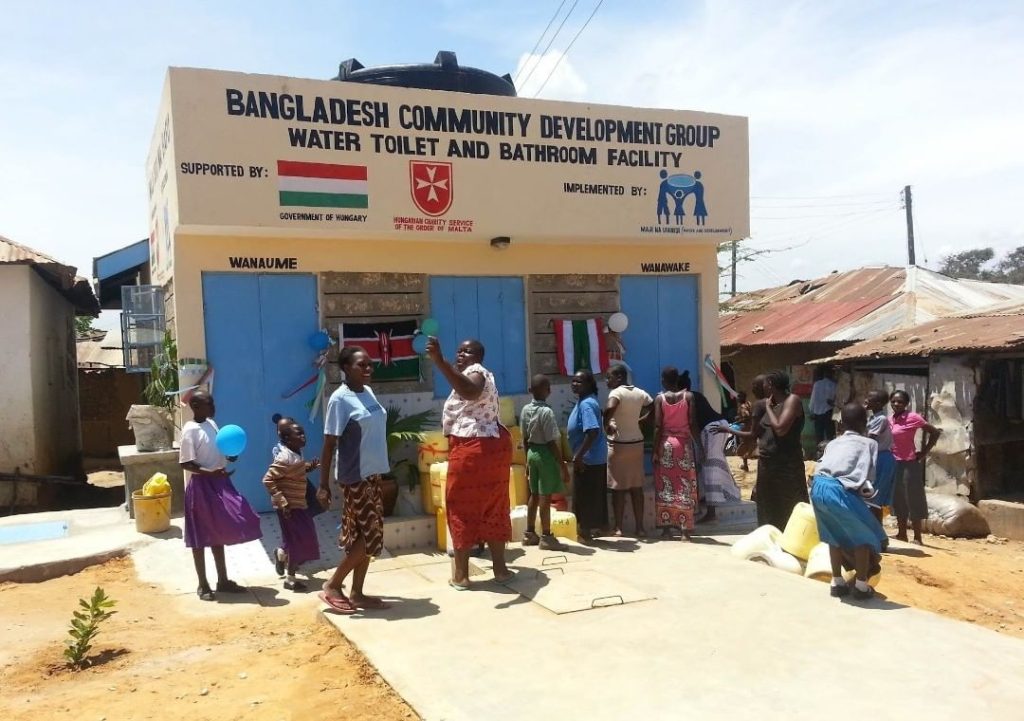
<point>322,185</point>
<point>580,346</point>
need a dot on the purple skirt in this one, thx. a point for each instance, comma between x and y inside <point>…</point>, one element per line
<point>216,514</point>
<point>298,534</point>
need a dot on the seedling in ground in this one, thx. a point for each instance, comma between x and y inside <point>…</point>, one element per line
<point>85,625</point>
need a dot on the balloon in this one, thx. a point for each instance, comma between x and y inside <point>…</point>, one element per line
<point>231,440</point>
<point>419,343</point>
<point>319,341</point>
<point>430,327</point>
<point>618,322</point>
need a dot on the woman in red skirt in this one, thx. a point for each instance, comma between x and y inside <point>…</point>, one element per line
<point>479,457</point>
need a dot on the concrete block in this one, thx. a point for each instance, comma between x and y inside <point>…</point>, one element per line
<point>139,467</point>
<point>1005,518</point>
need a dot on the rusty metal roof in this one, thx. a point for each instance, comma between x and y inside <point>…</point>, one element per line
<point>856,305</point>
<point>62,277</point>
<point>1000,329</point>
<point>102,350</point>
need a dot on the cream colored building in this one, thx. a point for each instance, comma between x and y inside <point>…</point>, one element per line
<point>281,206</point>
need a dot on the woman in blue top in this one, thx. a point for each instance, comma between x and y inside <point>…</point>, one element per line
<point>355,438</point>
<point>589,458</point>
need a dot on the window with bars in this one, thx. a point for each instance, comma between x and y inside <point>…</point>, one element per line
<point>142,325</point>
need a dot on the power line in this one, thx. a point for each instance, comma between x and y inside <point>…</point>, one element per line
<point>569,47</point>
<point>859,204</point>
<point>550,41</point>
<point>537,44</point>
<point>823,215</point>
<point>819,231</point>
<point>817,197</point>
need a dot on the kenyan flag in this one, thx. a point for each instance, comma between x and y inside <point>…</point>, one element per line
<point>389,345</point>
<point>580,346</point>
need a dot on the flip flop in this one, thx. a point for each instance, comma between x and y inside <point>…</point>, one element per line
<point>458,586</point>
<point>205,594</point>
<point>229,587</point>
<point>341,605</point>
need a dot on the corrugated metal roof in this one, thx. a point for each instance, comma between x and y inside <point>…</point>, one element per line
<point>103,353</point>
<point>856,305</point>
<point>76,289</point>
<point>999,330</point>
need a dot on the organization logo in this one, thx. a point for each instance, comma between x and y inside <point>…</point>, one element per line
<point>431,186</point>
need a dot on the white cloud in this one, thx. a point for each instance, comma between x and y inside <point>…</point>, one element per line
<point>550,74</point>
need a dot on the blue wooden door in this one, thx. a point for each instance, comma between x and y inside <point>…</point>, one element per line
<point>491,310</point>
<point>257,340</point>
<point>664,327</point>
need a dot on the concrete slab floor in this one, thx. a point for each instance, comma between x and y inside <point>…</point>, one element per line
<point>723,639</point>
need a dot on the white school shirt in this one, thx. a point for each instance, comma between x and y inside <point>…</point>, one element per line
<point>851,458</point>
<point>199,445</point>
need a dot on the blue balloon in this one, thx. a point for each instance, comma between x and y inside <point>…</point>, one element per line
<point>231,440</point>
<point>319,341</point>
<point>419,343</point>
<point>430,327</point>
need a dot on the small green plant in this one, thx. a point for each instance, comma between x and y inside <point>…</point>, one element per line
<point>85,625</point>
<point>401,429</point>
<point>161,391</point>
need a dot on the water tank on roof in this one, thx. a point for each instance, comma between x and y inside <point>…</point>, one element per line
<point>444,73</point>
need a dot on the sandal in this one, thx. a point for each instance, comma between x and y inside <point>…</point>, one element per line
<point>295,586</point>
<point>279,561</point>
<point>229,587</point>
<point>339,604</point>
<point>205,594</point>
<point>458,586</point>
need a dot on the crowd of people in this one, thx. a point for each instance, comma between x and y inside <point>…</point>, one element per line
<point>874,463</point>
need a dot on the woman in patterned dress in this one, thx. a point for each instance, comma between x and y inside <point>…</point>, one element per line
<point>675,473</point>
<point>479,458</point>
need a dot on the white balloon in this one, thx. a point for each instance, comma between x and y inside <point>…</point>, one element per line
<point>618,322</point>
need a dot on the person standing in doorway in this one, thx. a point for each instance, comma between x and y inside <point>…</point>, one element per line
<point>355,443</point>
<point>479,460</point>
<point>589,447</point>
<point>628,407</point>
<point>909,502</point>
<point>823,401</point>
<point>675,472</point>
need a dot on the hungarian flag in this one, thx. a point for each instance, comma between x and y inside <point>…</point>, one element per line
<point>580,346</point>
<point>389,345</point>
<point>322,185</point>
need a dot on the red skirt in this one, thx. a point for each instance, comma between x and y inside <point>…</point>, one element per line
<point>476,495</point>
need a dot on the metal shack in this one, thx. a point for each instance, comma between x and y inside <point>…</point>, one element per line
<point>283,206</point>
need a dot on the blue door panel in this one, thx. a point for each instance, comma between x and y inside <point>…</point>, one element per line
<point>257,341</point>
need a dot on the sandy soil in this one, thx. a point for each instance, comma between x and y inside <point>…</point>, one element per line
<point>975,580</point>
<point>167,657</point>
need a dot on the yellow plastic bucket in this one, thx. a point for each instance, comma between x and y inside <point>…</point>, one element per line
<point>518,488</point>
<point>152,513</point>
<point>442,529</point>
<point>801,532</point>
<point>507,411</point>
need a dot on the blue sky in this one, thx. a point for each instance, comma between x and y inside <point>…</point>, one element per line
<point>847,103</point>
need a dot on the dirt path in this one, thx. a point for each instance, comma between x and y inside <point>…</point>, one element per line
<point>967,579</point>
<point>170,657</point>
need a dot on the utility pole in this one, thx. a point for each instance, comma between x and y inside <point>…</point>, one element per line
<point>734,244</point>
<point>908,204</point>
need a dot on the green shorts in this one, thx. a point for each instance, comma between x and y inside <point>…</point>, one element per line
<point>545,474</point>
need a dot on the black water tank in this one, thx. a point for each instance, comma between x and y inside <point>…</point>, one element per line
<point>443,74</point>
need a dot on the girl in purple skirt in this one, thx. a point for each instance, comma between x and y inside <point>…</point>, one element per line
<point>286,482</point>
<point>216,515</point>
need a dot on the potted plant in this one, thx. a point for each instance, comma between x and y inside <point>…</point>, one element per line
<point>401,430</point>
<point>152,422</point>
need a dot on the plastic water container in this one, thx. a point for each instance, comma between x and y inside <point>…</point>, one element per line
<point>152,513</point>
<point>507,412</point>
<point>430,501</point>
<point>438,482</point>
<point>760,539</point>
<point>518,449</point>
<point>801,534</point>
<point>432,449</point>
<point>442,529</point>
<point>518,489</point>
<point>518,517</point>
<point>563,524</point>
<point>566,449</point>
<point>819,567</point>
<point>777,558</point>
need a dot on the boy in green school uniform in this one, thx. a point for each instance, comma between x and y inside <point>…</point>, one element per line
<point>545,468</point>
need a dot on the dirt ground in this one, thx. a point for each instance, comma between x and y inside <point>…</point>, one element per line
<point>165,657</point>
<point>972,580</point>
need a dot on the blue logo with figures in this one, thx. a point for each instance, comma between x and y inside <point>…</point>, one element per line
<point>677,188</point>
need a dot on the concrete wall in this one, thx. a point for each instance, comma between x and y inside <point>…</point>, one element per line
<point>17,438</point>
<point>105,396</point>
<point>54,381</point>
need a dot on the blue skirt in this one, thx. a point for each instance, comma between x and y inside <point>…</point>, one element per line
<point>885,478</point>
<point>844,520</point>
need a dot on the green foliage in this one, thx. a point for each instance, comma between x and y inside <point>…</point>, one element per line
<point>402,429</point>
<point>981,264</point>
<point>83,325</point>
<point>163,376</point>
<point>85,625</point>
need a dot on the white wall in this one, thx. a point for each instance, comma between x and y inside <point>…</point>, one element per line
<point>54,372</point>
<point>17,435</point>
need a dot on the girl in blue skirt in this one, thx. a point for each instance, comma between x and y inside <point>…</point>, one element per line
<point>841,486</point>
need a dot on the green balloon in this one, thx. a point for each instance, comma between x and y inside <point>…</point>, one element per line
<point>429,327</point>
